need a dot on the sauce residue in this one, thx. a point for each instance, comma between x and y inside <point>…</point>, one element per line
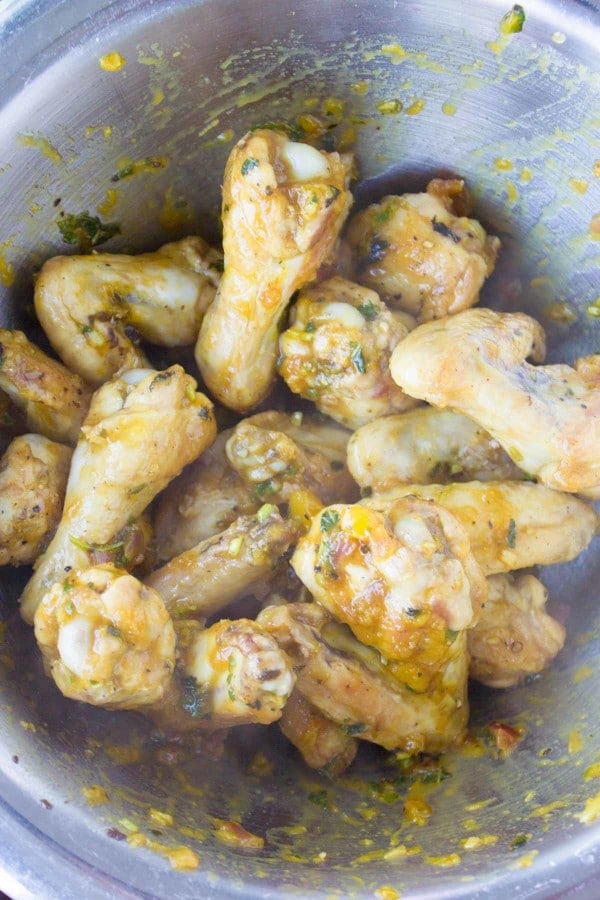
<point>41,144</point>
<point>112,62</point>
<point>181,858</point>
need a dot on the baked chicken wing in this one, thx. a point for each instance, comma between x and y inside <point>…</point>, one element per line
<point>33,480</point>
<point>284,204</point>
<point>141,429</point>
<point>510,524</point>
<point>514,637</point>
<point>52,399</point>
<point>426,445</point>
<point>421,253</point>
<point>404,580</point>
<point>350,685</point>
<point>337,349</point>
<point>95,308</point>
<point>546,417</point>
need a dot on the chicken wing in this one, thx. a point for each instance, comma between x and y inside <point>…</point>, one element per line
<point>278,453</point>
<point>419,255</point>
<point>12,421</point>
<point>284,204</point>
<point>141,429</point>
<point>95,308</point>
<point>322,743</point>
<point>233,673</point>
<point>33,480</point>
<point>404,580</point>
<point>53,400</point>
<point>218,570</point>
<point>350,685</point>
<point>106,639</point>
<point>426,445</point>
<point>546,417</point>
<point>511,525</point>
<point>337,349</point>
<point>515,637</point>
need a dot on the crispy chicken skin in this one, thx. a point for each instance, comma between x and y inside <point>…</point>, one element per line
<point>106,638</point>
<point>33,480</point>
<point>425,446</point>
<point>233,673</point>
<point>52,399</point>
<point>141,429</point>
<point>404,581</point>
<point>337,349</point>
<point>422,254</point>
<point>267,456</point>
<point>94,308</point>
<point>276,453</point>
<point>284,204</point>
<point>350,685</point>
<point>515,637</point>
<point>322,743</point>
<point>511,525</point>
<point>546,417</point>
<point>218,570</point>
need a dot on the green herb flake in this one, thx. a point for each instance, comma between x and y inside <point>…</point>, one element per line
<point>412,612</point>
<point>248,165</point>
<point>377,251</point>
<point>329,518</point>
<point>358,360</point>
<point>511,538</point>
<point>518,841</point>
<point>320,798</point>
<point>264,489</point>
<point>67,587</point>
<point>384,215</point>
<point>451,635</point>
<point>386,792</point>
<point>336,464</point>
<point>354,728</point>
<point>230,673</point>
<point>136,490</point>
<point>369,310</point>
<point>512,22</point>
<point>85,230</point>
<point>69,608</point>
<point>310,327</point>
<point>295,132</point>
<point>194,698</point>
<point>333,195</point>
<point>114,631</point>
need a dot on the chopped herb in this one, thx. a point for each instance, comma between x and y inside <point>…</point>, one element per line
<point>319,798</point>
<point>85,230</point>
<point>264,489</point>
<point>204,413</point>
<point>266,510</point>
<point>230,671</point>
<point>136,489</point>
<point>385,214</point>
<point>430,774</point>
<point>67,587</point>
<point>123,172</point>
<point>248,165</point>
<point>512,22</point>
<point>194,698</point>
<point>95,548</point>
<point>114,631</point>
<point>358,360</point>
<point>412,612</point>
<point>295,132</point>
<point>451,635</point>
<point>310,327</point>
<point>443,229</point>
<point>219,265</point>
<point>355,728</point>
<point>336,464</point>
<point>162,376</point>
<point>386,791</point>
<point>328,142</point>
<point>368,310</point>
<point>366,491</point>
<point>69,608</point>
<point>518,841</point>
<point>128,825</point>
<point>377,251</point>
<point>86,329</point>
<point>329,518</point>
<point>335,193</point>
<point>511,538</point>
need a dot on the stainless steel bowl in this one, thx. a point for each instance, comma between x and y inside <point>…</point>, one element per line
<point>518,116</point>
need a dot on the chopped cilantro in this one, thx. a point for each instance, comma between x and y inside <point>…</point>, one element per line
<point>368,310</point>
<point>114,631</point>
<point>443,229</point>
<point>377,250</point>
<point>310,327</point>
<point>194,698</point>
<point>264,489</point>
<point>512,22</point>
<point>354,728</point>
<point>451,635</point>
<point>295,132</point>
<point>412,612</point>
<point>329,518</point>
<point>319,798</point>
<point>336,464</point>
<point>335,193</point>
<point>358,360</point>
<point>511,538</point>
<point>249,164</point>
<point>85,230</point>
<point>518,841</point>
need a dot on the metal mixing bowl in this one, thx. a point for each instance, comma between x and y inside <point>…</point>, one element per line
<point>518,116</point>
